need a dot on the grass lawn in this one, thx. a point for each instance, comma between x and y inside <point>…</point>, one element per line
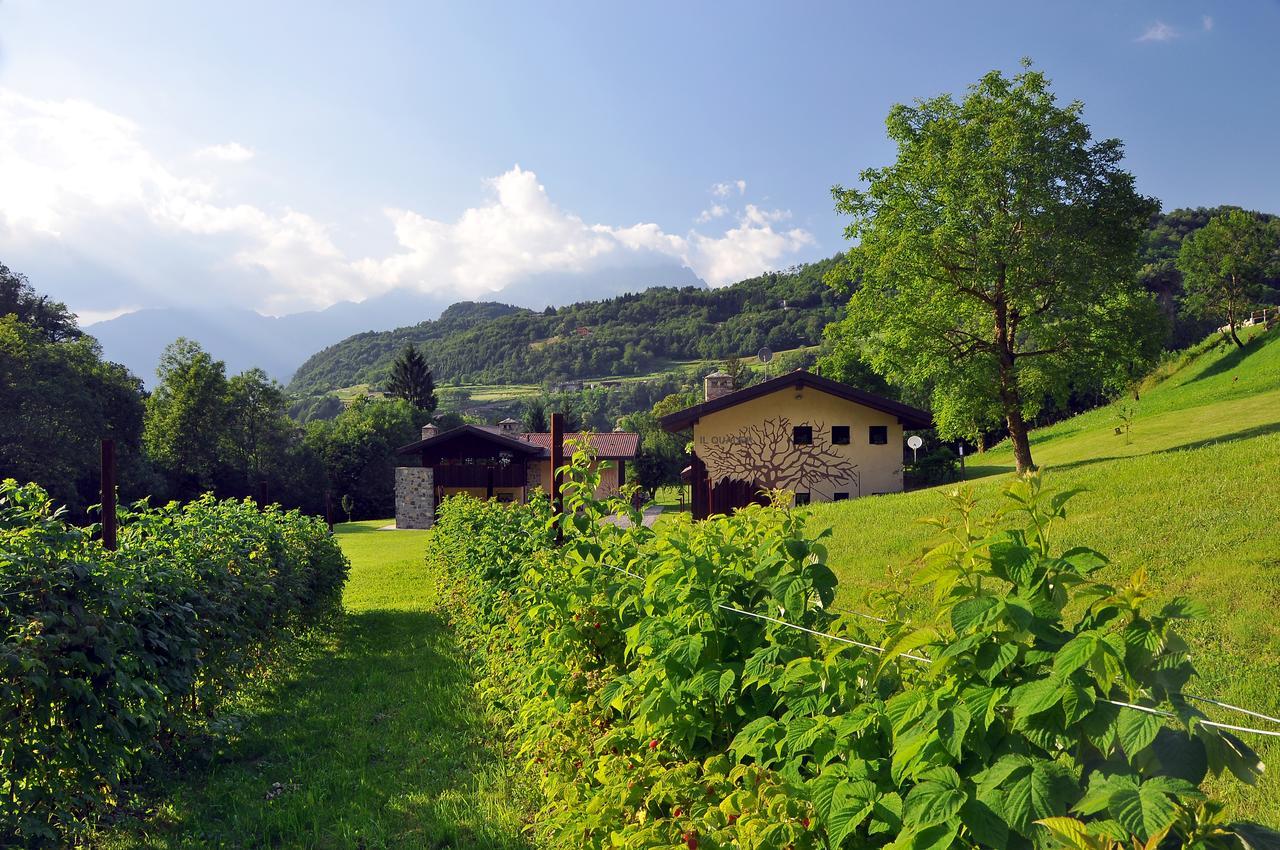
<point>1192,495</point>
<point>373,732</point>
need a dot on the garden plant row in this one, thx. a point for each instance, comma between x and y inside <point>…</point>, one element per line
<point>650,714</point>
<point>113,658</point>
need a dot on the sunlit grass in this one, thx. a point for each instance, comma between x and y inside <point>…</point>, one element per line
<point>373,731</point>
<point>1191,494</point>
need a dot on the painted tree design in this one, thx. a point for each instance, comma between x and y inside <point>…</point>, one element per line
<point>766,456</point>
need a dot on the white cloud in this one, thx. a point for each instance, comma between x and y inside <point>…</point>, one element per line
<point>1207,22</point>
<point>229,152</point>
<point>1159,31</point>
<point>724,190</point>
<point>715,211</point>
<point>80,179</point>
<point>85,318</point>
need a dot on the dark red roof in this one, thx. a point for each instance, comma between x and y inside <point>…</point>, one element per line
<point>614,444</point>
<point>910,417</point>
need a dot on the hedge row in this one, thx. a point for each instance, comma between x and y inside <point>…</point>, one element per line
<point>109,658</point>
<point>653,716</point>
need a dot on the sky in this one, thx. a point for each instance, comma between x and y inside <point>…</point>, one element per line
<point>284,156</point>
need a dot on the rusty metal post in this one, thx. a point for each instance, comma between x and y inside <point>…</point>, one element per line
<point>109,494</point>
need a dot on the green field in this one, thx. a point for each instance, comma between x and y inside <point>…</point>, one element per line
<point>374,733</point>
<point>1192,495</point>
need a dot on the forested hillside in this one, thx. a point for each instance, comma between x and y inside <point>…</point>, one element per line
<point>627,335</point>
<point>489,343</point>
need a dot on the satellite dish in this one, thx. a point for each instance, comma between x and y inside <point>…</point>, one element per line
<point>765,354</point>
<point>914,442</point>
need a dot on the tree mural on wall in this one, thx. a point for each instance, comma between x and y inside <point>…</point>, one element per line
<point>765,455</point>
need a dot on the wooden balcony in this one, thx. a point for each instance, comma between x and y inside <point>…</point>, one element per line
<point>479,475</point>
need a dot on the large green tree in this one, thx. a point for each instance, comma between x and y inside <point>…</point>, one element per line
<point>58,399</point>
<point>186,420</point>
<point>258,432</point>
<point>996,257</point>
<point>1224,265</point>
<point>411,380</point>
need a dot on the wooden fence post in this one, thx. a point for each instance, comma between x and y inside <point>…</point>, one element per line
<point>108,480</point>
<point>557,461</point>
<point>328,509</point>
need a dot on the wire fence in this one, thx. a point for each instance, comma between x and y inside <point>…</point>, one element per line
<point>925,660</point>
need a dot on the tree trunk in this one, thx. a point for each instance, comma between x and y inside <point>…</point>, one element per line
<point>1010,397</point>
<point>1231,317</point>
<point>1021,443</point>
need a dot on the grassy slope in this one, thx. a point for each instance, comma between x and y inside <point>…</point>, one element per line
<point>374,732</point>
<point>1193,495</point>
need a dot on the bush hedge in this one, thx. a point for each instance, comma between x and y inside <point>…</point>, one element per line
<point>109,658</point>
<point>652,715</point>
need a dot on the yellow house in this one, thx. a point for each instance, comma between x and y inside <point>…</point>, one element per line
<point>821,439</point>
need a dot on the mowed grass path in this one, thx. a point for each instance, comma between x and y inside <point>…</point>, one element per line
<point>1192,496</point>
<point>373,732</point>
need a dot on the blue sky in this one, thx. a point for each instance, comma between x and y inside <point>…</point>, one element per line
<point>286,155</point>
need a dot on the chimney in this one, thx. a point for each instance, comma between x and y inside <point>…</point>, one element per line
<point>509,426</point>
<point>717,384</point>
<point>429,430</point>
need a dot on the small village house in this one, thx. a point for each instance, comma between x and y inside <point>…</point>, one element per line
<point>502,462</point>
<point>821,439</point>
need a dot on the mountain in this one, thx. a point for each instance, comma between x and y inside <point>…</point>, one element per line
<point>632,334</point>
<point>244,339</point>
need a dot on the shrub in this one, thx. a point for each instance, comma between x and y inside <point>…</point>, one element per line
<point>110,657</point>
<point>654,713</point>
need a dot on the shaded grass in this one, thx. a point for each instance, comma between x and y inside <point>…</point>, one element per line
<point>1192,496</point>
<point>372,730</point>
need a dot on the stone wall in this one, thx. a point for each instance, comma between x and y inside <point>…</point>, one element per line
<point>415,497</point>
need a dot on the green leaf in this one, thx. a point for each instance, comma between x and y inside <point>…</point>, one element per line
<point>952,727</point>
<point>852,803</point>
<point>1075,654</point>
<point>931,802</point>
<point>1072,834</point>
<point>726,684</point>
<point>1144,811</point>
<point>984,824</point>
<point>971,612</point>
<point>1035,697</point>
<point>1136,729</point>
<point>994,657</point>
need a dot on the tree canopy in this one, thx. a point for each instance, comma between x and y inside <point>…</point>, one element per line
<point>997,256</point>
<point>1225,264</point>
<point>411,380</point>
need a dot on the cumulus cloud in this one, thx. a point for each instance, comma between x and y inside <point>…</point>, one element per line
<point>1159,31</point>
<point>81,180</point>
<point>229,152</point>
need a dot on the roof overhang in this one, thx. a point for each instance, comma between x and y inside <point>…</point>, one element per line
<point>912,418</point>
<point>501,440</point>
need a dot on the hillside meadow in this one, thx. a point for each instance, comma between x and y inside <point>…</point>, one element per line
<point>1191,495</point>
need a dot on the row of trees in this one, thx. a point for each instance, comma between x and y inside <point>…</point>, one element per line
<point>996,266</point>
<point>199,430</point>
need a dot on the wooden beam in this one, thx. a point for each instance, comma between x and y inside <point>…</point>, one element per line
<point>557,459</point>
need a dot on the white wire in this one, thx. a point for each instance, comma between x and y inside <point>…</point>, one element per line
<point>869,646</point>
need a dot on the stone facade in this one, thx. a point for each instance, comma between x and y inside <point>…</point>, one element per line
<point>415,497</point>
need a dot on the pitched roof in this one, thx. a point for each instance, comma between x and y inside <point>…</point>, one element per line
<point>910,417</point>
<point>615,444</point>
<point>493,434</point>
